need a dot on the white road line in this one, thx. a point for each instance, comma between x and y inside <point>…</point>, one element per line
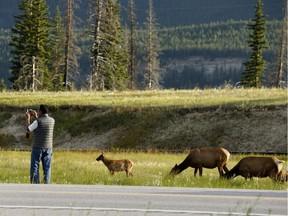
<point>130,210</point>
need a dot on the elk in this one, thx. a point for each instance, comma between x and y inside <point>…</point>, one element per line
<point>282,176</point>
<point>200,158</point>
<point>260,167</point>
<point>117,165</point>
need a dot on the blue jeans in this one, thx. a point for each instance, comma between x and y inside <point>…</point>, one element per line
<point>45,156</point>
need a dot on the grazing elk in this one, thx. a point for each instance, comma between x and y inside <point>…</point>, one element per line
<point>282,176</point>
<point>117,165</point>
<point>204,158</point>
<point>260,167</point>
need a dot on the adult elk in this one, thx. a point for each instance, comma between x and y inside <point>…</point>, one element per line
<point>204,158</point>
<point>117,165</point>
<point>260,167</point>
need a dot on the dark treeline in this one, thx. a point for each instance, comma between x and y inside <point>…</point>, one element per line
<point>184,13</point>
<point>225,39</point>
<point>214,40</point>
<point>169,14</point>
<point>206,28</point>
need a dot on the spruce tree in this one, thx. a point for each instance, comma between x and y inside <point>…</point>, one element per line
<point>96,23</point>
<point>152,71</point>
<point>71,64</point>
<point>57,37</point>
<point>29,43</point>
<point>132,45</point>
<point>255,66</point>
<point>116,77</point>
<point>109,67</point>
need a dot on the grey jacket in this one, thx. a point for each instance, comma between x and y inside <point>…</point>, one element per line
<point>43,134</point>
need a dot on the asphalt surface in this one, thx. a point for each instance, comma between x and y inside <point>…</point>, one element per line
<point>26,199</point>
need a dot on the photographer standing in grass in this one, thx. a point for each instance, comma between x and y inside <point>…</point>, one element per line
<point>42,144</point>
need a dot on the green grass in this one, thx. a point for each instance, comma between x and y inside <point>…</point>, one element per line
<point>137,99</point>
<point>150,169</point>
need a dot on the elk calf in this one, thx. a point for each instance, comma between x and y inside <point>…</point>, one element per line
<point>117,165</point>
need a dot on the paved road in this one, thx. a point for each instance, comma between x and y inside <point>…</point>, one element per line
<point>26,199</point>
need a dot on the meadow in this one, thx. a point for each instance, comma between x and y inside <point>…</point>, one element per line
<point>196,98</point>
<point>150,169</point>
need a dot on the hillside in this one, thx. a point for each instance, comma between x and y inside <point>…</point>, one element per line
<point>255,129</point>
<point>186,12</point>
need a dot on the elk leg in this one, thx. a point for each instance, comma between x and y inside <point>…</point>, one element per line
<point>225,168</point>
<point>195,172</point>
<point>220,170</point>
<point>200,171</point>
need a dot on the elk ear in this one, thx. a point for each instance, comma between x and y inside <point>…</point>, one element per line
<point>176,165</point>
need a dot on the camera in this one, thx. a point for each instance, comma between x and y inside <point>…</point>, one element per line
<point>30,111</point>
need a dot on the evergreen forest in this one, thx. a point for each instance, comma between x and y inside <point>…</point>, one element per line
<point>184,39</point>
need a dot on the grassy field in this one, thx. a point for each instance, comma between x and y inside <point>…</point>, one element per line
<point>164,98</point>
<point>150,169</point>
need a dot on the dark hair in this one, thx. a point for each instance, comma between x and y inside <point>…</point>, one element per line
<point>43,108</point>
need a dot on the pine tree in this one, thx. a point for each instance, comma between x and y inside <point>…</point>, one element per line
<point>132,45</point>
<point>152,70</point>
<point>29,42</point>
<point>254,68</point>
<point>109,57</point>
<point>57,37</point>
<point>282,77</point>
<point>97,52</point>
<point>116,64</point>
<point>71,64</point>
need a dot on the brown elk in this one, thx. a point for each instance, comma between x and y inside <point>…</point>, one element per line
<point>204,158</point>
<point>260,167</point>
<point>282,176</point>
<point>117,165</point>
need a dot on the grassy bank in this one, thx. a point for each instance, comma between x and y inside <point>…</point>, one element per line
<point>150,169</point>
<point>166,98</point>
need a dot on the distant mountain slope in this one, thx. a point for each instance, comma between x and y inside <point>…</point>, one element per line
<point>188,12</point>
<point>170,12</point>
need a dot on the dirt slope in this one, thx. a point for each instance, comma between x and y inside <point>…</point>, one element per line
<point>251,130</point>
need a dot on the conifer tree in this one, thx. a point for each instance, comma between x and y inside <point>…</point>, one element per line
<point>255,66</point>
<point>97,32</point>
<point>116,65</point>
<point>282,77</point>
<point>29,42</point>
<point>132,44</point>
<point>152,70</point>
<point>56,62</point>
<point>109,57</point>
<point>71,64</point>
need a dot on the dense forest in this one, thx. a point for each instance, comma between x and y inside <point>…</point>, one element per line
<point>169,14</point>
<point>208,28</point>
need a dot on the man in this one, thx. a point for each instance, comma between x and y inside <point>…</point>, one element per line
<point>42,128</point>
